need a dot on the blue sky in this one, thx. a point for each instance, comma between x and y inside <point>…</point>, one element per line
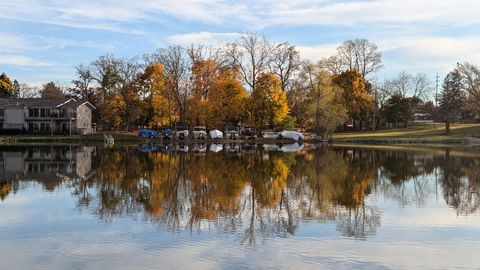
<point>43,40</point>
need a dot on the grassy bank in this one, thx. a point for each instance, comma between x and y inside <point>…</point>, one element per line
<point>428,133</point>
<point>56,139</point>
<point>461,134</point>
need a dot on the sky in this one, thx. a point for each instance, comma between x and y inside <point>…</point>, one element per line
<point>43,40</point>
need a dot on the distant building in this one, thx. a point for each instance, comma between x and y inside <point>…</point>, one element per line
<point>46,115</point>
<point>423,117</point>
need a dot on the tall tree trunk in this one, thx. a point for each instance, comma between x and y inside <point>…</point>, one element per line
<point>447,127</point>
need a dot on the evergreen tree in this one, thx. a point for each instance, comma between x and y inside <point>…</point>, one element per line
<point>51,90</point>
<point>452,99</point>
<point>16,89</point>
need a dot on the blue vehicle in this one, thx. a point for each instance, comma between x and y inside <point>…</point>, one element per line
<point>147,133</point>
<point>147,148</point>
<point>168,133</point>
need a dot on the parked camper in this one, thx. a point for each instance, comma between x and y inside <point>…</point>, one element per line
<point>232,132</point>
<point>270,134</point>
<point>200,132</point>
<point>181,148</point>
<point>249,133</point>
<point>199,148</point>
<point>181,132</point>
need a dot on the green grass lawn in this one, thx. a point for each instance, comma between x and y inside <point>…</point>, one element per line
<point>93,138</point>
<point>429,132</point>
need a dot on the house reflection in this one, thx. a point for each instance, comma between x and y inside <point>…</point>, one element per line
<point>48,165</point>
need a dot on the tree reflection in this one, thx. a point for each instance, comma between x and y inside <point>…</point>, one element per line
<point>255,193</point>
<point>460,181</point>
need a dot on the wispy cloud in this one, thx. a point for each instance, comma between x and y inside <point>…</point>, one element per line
<point>429,54</point>
<point>357,12</point>
<point>206,38</point>
<point>427,35</point>
<point>21,60</point>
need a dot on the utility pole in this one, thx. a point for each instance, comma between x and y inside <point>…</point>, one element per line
<point>436,90</point>
<point>436,98</point>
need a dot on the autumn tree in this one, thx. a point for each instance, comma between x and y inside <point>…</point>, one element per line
<point>51,90</point>
<point>452,99</point>
<point>127,88</point>
<point>326,109</point>
<point>6,86</point>
<point>118,88</point>
<point>83,84</point>
<point>204,74</point>
<point>471,84</point>
<point>227,99</point>
<point>250,56</point>
<point>360,55</point>
<point>285,62</point>
<point>268,103</point>
<point>177,70</point>
<point>104,72</point>
<point>27,91</point>
<point>156,97</point>
<point>413,85</point>
<point>297,96</point>
<point>358,102</point>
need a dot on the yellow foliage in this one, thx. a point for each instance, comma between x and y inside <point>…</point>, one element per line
<point>357,100</point>
<point>161,108</point>
<point>268,104</point>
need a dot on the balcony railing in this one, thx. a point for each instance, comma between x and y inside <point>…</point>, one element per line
<point>53,115</point>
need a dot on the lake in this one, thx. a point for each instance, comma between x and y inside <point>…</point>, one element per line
<point>239,206</point>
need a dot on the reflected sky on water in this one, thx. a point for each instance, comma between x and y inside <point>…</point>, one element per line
<point>238,206</point>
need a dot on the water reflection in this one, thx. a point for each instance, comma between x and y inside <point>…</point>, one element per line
<point>252,191</point>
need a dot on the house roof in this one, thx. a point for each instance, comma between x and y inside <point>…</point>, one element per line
<point>43,102</point>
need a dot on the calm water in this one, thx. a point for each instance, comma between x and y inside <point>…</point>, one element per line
<point>238,207</point>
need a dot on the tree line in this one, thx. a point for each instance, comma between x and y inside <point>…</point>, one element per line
<point>260,83</point>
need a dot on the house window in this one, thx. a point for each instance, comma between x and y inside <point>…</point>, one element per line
<point>44,112</point>
<point>2,112</point>
<point>33,112</point>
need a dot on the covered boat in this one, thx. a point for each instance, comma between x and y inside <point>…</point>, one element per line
<point>216,134</point>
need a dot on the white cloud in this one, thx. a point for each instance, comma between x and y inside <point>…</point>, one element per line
<point>108,14</point>
<point>206,38</point>
<point>412,53</point>
<point>429,54</point>
<point>351,13</point>
<point>13,43</point>
<point>315,53</point>
<point>21,60</point>
<point>414,34</point>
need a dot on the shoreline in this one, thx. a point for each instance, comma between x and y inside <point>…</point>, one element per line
<point>128,138</point>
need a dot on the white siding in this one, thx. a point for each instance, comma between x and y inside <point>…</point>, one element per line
<point>84,119</point>
<point>14,116</point>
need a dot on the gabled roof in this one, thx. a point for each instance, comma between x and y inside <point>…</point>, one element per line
<point>43,102</point>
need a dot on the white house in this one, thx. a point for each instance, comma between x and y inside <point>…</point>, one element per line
<point>46,115</point>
